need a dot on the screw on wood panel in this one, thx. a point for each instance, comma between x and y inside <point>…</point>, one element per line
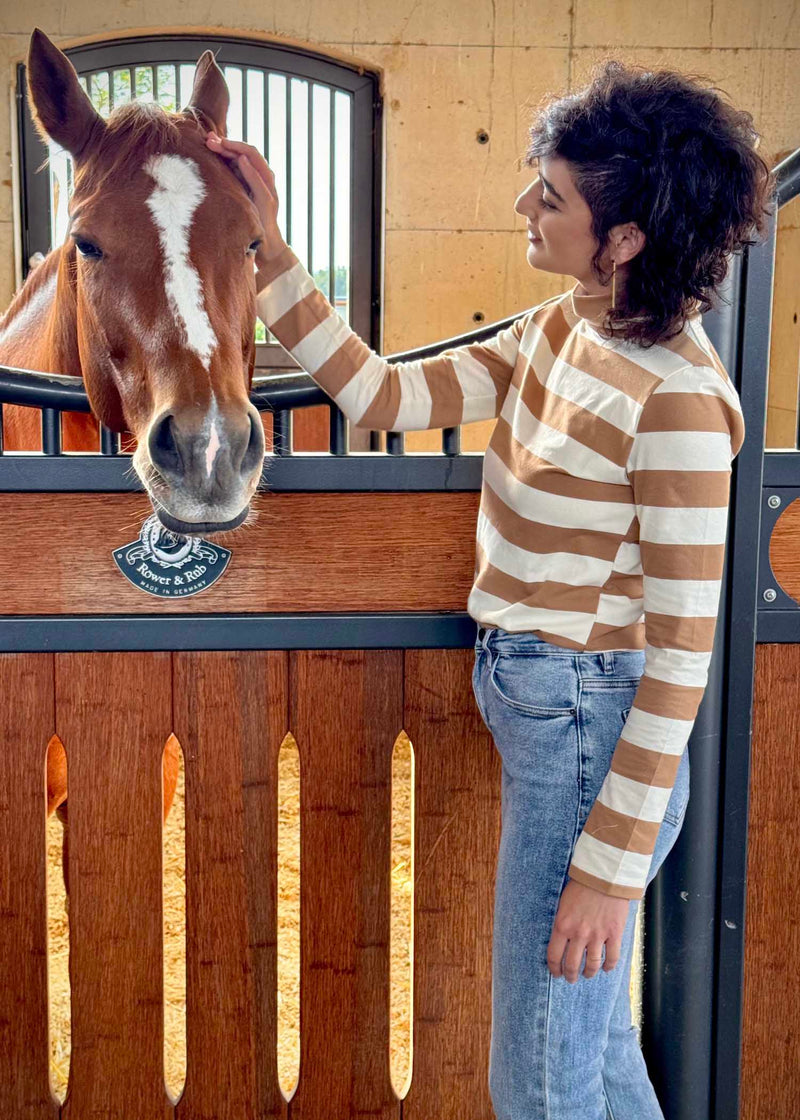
<point>482,136</point>
<point>478,316</point>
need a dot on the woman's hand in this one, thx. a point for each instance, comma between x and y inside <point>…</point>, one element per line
<point>587,919</point>
<point>258,175</point>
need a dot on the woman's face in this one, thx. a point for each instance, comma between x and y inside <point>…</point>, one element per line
<point>559,222</point>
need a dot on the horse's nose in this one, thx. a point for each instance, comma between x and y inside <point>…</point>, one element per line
<point>190,450</point>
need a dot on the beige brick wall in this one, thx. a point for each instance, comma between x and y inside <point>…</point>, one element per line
<point>453,245</point>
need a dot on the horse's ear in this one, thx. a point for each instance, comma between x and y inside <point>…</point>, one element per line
<point>60,108</point>
<point>210,93</point>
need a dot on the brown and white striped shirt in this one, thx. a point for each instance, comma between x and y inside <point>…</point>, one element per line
<point>603,513</point>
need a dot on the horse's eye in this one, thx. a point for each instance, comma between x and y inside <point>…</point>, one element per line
<point>87,248</point>
<point>253,246</point>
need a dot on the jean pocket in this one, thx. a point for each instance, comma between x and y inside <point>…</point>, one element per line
<point>476,684</point>
<point>533,683</point>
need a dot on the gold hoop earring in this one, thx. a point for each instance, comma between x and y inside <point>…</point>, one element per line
<point>614,286</point>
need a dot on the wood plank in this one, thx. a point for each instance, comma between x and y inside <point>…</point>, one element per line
<point>26,724</point>
<point>230,718</point>
<point>305,552</point>
<point>113,715</point>
<point>346,709</point>
<point>457,822</point>
<point>771,991</point>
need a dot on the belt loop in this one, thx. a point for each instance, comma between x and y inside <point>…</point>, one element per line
<point>483,636</point>
<point>608,661</point>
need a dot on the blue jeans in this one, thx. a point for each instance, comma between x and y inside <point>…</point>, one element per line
<point>559,1051</point>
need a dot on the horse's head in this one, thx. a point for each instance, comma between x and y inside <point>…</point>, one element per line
<point>159,263</point>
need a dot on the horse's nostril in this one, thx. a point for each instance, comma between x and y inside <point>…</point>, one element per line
<point>254,451</point>
<point>163,446</point>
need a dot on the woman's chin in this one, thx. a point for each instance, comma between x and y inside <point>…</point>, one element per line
<point>536,256</point>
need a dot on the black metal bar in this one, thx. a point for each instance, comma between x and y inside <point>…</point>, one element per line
<point>110,91</point>
<point>187,48</point>
<point>395,443</point>
<point>109,441</point>
<point>751,376</point>
<point>34,180</point>
<point>310,177</point>
<point>357,472</point>
<point>368,630</point>
<point>339,432</point>
<point>296,389</point>
<point>51,431</point>
<point>282,433</point>
<point>451,441</point>
<point>778,626</point>
<point>154,79</point>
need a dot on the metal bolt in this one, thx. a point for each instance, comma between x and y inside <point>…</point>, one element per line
<point>482,136</point>
<point>770,595</point>
<point>773,501</point>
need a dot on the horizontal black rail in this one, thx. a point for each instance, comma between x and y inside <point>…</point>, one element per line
<point>276,391</point>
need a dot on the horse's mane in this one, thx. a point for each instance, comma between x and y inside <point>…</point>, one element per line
<point>35,279</point>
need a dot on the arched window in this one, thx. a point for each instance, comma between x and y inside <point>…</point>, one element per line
<point>315,120</point>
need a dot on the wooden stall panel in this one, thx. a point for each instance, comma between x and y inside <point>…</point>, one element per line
<point>26,724</point>
<point>457,835</point>
<point>113,715</point>
<point>303,552</point>
<point>346,710</point>
<point>230,718</point>
<point>770,1029</point>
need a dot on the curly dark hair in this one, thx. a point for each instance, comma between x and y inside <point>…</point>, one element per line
<point>659,148</point>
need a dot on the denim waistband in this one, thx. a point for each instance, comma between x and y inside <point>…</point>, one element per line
<point>527,642</point>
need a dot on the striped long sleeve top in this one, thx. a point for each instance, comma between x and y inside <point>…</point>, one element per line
<point>603,512</point>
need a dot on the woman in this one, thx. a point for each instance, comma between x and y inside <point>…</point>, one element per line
<point>600,541</point>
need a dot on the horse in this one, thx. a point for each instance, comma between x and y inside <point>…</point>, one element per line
<point>151,300</point>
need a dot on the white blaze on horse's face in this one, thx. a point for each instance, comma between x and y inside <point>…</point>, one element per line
<point>179,191</point>
<point>214,444</point>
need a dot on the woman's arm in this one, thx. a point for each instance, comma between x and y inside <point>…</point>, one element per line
<point>690,430</point>
<point>459,385</point>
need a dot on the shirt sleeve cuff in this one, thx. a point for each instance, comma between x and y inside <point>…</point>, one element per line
<point>613,889</point>
<point>274,267</point>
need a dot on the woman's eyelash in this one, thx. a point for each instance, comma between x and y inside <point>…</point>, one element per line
<point>549,205</point>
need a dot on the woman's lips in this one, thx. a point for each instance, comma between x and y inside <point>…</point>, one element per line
<point>532,236</point>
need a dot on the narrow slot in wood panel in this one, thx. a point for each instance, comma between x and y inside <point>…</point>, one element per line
<point>401,1042</point>
<point>26,724</point>
<point>289,887</point>
<point>58,990</point>
<point>346,709</point>
<point>174,904</point>
<point>457,826</point>
<point>230,718</point>
<point>113,715</point>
